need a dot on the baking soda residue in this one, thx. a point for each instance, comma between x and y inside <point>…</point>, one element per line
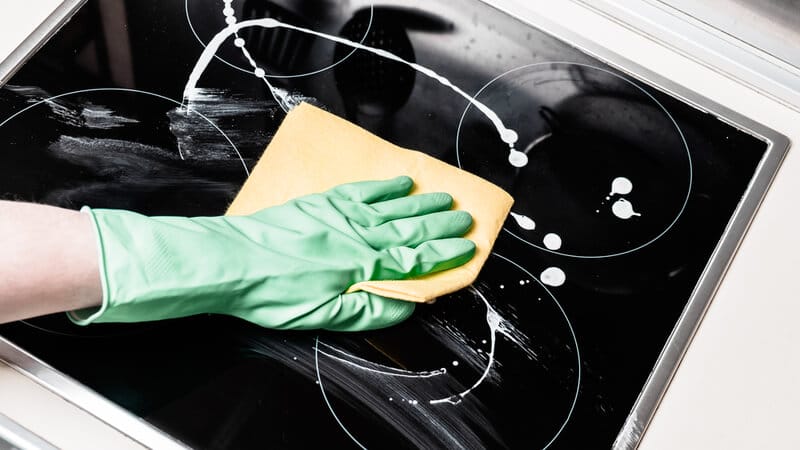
<point>553,276</point>
<point>623,209</point>
<point>552,241</point>
<point>524,221</point>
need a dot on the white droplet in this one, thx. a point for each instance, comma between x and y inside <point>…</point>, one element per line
<point>521,282</point>
<point>552,241</point>
<point>230,20</point>
<point>259,72</point>
<point>517,158</point>
<point>553,276</point>
<point>228,11</point>
<point>621,185</point>
<point>239,42</point>
<point>623,209</point>
<point>502,286</point>
<point>455,363</point>
<point>509,136</point>
<point>524,221</point>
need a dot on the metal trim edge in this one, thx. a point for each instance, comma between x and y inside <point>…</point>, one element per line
<point>644,409</point>
<point>705,45</point>
<point>86,399</point>
<point>672,353</point>
<point>38,37</point>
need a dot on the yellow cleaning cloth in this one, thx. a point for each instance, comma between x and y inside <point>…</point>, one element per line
<point>314,151</point>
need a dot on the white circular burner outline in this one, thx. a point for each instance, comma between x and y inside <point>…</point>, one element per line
<point>297,75</point>
<point>631,82</point>
<point>137,91</point>
<point>560,308</point>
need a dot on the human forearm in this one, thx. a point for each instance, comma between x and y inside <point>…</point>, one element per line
<point>48,261</point>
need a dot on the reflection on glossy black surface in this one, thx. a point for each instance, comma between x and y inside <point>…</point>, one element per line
<point>581,127</point>
<point>101,145</point>
<point>93,120</point>
<point>373,85</point>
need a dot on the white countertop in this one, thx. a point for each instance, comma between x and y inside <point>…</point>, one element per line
<point>18,19</point>
<point>737,386</point>
<point>31,406</point>
<point>52,418</point>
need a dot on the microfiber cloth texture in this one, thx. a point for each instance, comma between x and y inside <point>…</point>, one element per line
<point>314,150</point>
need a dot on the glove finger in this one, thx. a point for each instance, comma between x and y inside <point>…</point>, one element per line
<point>413,231</point>
<point>381,212</point>
<point>374,190</point>
<point>397,263</point>
<point>359,311</point>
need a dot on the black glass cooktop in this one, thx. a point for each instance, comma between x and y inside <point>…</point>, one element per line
<point>621,192</point>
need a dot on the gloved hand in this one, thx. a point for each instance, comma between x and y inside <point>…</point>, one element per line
<point>284,267</point>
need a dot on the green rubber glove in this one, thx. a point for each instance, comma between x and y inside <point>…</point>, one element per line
<point>284,267</point>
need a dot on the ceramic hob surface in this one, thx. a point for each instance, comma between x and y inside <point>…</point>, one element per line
<point>622,192</point>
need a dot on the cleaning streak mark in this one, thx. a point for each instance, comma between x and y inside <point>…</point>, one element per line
<point>507,135</point>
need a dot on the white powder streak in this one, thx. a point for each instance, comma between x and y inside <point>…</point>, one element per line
<point>507,135</point>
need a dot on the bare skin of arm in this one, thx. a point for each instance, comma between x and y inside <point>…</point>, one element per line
<point>48,261</point>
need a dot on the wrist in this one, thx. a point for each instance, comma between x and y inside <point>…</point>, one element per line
<point>94,302</point>
<point>153,268</point>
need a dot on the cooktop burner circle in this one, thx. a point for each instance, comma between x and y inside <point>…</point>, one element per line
<point>283,47</point>
<point>118,148</point>
<point>607,169</point>
<point>79,137</point>
<point>501,357</point>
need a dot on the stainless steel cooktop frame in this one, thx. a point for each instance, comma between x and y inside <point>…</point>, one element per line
<point>27,364</point>
<point>645,407</point>
<point>656,385</point>
<point>663,21</point>
<point>38,38</point>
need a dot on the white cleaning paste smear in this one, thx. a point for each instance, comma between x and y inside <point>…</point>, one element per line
<point>496,323</point>
<point>553,276</point>
<point>620,185</point>
<point>552,241</point>
<point>623,209</point>
<point>507,135</point>
<point>517,158</point>
<point>524,221</point>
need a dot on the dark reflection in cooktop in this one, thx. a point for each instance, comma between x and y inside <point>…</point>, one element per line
<point>621,194</point>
